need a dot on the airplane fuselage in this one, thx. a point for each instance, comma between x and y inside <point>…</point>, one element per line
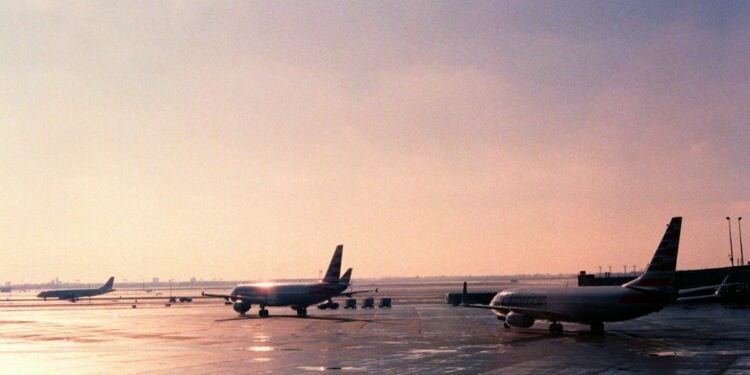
<point>582,304</point>
<point>295,295</point>
<point>72,294</point>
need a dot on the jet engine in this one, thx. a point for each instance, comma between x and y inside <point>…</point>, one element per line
<point>241,307</point>
<point>519,320</point>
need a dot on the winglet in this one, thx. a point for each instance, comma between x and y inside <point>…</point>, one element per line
<point>661,271</point>
<point>721,290</point>
<point>334,268</point>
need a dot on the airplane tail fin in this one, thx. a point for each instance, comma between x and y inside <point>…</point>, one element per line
<point>661,273</point>
<point>108,285</point>
<point>464,293</point>
<point>334,268</point>
<point>346,278</point>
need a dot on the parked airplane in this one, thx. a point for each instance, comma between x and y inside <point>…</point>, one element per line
<point>595,305</point>
<point>75,294</point>
<point>297,296</point>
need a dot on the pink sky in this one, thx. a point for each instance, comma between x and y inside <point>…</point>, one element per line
<point>243,140</point>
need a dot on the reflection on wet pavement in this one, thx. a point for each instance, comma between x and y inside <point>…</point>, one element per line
<point>426,336</point>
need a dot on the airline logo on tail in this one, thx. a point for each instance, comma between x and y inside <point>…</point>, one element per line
<point>661,270</point>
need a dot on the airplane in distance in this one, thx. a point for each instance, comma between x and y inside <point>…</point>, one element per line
<point>74,295</point>
<point>297,296</point>
<point>594,305</point>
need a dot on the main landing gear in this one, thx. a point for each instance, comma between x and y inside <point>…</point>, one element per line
<point>301,311</point>
<point>263,312</point>
<point>556,328</point>
<point>597,328</point>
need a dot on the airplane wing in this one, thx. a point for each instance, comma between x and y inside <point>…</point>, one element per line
<point>235,297</point>
<point>535,313</point>
<point>349,294</point>
<point>227,297</point>
<point>704,293</point>
<point>539,313</point>
<point>479,306</point>
<point>695,299</point>
<point>708,289</point>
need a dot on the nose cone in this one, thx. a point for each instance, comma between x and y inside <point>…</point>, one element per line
<point>40,295</point>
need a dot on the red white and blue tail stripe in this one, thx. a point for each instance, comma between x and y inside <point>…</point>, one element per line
<point>661,271</point>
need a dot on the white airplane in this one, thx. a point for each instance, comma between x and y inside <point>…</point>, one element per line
<point>75,294</point>
<point>297,296</point>
<point>595,305</point>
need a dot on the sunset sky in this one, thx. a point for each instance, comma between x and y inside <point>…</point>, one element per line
<point>245,140</point>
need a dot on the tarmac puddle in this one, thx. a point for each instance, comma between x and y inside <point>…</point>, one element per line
<point>422,353</point>
<point>432,351</point>
<point>663,354</point>
<point>260,337</point>
<point>331,368</point>
<point>257,349</point>
<point>261,348</point>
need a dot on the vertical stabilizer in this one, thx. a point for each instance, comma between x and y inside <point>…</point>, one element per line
<point>464,292</point>
<point>346,278</point>
<point>109,284</point>
<point>334,269</point>
<point>661,271</point>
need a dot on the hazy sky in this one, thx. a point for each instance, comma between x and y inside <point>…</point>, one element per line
<point>245,140</point>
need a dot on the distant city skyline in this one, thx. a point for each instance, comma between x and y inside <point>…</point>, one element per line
<point>245,140</point>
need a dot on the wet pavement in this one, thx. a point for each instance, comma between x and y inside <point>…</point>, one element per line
<point>426,336</point>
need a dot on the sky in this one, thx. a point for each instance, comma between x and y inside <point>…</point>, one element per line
<point>244,140</point>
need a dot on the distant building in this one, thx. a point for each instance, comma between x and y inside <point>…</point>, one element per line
<point>155,280</point>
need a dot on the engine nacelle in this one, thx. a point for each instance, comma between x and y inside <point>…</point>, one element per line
<point>241,307</point>
<point>519,320</point>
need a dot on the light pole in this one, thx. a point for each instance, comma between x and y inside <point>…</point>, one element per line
<point>731,249</point>
<point>742,253</point>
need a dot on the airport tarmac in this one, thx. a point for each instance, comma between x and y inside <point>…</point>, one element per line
<point>418,335</point>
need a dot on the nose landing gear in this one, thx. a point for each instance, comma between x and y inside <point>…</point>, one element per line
<point>301,311</point>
